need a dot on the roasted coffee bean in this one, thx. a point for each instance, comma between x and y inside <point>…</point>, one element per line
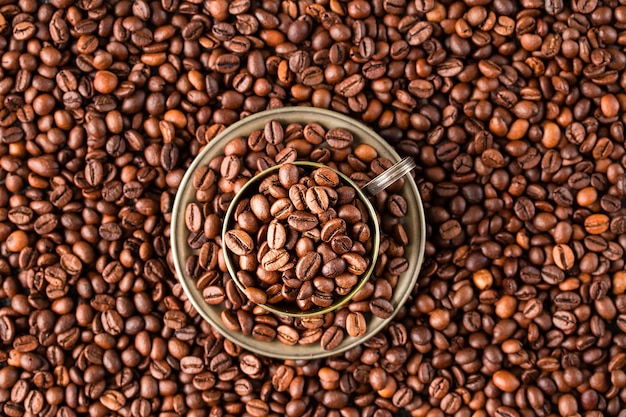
<point>113,400</point>
<point>333,228</point>
<point>274,133</point>
<point>263,333</point>
<point>239,242</point>
<point>275,259</point>
<point>597,223</point>
<point>564,320</point>
<point>419,33</point>
<point>397,205</point>
<point>563,256</point>
<point>332,337</point>
<point>302,221</point>
<point>339,138</point>
<point>287,335</point>
<point>193,217</point>
<point>450,229</point>
<point>381,308</point>
<point>257,408</point>
<point>425,6</point>
<point>308,266</point>
<point>356,325</point>
<point>350,87</point>
<point>256,295</point>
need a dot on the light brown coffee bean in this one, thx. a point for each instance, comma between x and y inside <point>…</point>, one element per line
<point>275,259</point>
<point>239,242</point>
<point>356,325</point>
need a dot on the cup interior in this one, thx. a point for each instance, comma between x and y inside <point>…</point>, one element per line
<point>289,309</point>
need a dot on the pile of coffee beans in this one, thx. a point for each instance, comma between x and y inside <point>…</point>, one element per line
<point>294,238</point>
<point>514,110</point>
<point>301,238</point>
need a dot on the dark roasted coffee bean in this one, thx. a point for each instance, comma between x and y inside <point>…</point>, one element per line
<point>308,266</point>
<point>381,308</point>
<point>274,133</point>
<point>424,6</point>
<point>553,7</point>
<point>397,205</point>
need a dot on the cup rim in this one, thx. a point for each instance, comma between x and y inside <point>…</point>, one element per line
<point>373,220</point>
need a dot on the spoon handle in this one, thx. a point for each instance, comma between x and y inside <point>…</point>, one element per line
<point>389,176</point>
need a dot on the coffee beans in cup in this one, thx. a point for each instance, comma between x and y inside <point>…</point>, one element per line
<point>311,235</point>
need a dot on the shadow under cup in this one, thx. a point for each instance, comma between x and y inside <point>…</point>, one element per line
<point>287,308</point>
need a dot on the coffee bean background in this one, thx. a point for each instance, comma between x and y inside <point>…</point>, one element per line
<point>514,111</point>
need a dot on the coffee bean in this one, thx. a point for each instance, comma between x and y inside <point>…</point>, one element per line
<point>20,215</point>
<point>419,33</point>
<point>356,325</point>
<point>397,205</point>
<point>257,408</point>
<point>355,263</point>
<point>191,364</point>
<point>563,256</point>
<point>263,332</point>
<point>287,335</point>
<point>597,223</point>
<point>112,322</point>
<point>282,209</point>
<point>113,400</point>
<point>275,259</point>
<point>203,178</point>
<point>302,221</point>
<point>425,6</point>
<point>504,411</point>
<point>239,242</point>
<point>276,235</point>
<point>553,7</point>
<point>230,167</point>
<point>332,337</point>
<point>227,63</point>
<point>312,75</point>
<point>193,217</point>
<point>381,308</point>
<point>274,133</point>
<point>373,69</point>
<point>351,86</point>
<point>564,320</point>
<point>450,229</point>
<point>256,295</point>
<point>308,266</point>
<point>552,274</point>
<point>567,300</point>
